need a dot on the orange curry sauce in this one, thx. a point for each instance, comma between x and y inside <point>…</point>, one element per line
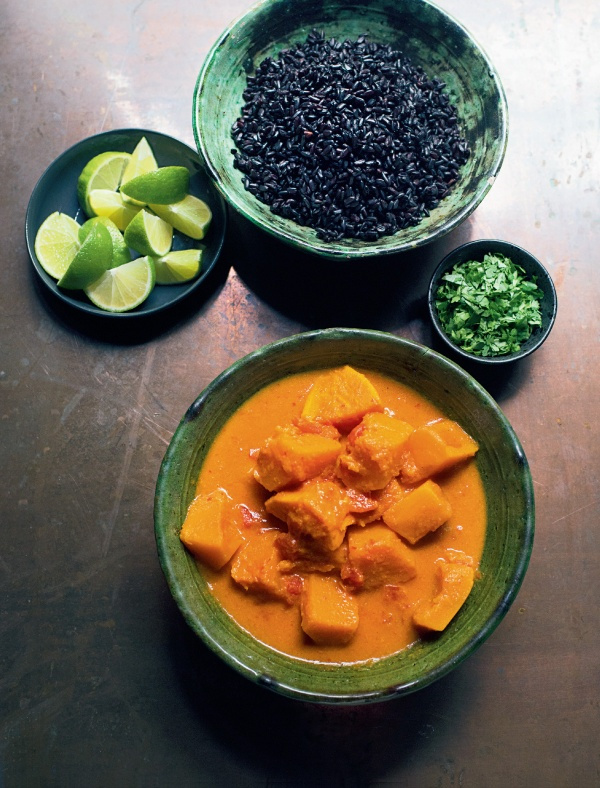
<point>385,613</point>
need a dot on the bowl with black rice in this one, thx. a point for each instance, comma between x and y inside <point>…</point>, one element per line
<point>350,128</point>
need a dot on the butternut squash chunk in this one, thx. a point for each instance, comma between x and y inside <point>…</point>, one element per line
<point>379,556</point>
<point>256,568</point>
<point>421,511</point>
<point>434,448</point>
<point>317,509</point>
<point>329,614</point>
<point>374,452</point>
<point>291,456</point>
<point>306,555</point>
<point>341,397</point>
<point>454,581</point>
<point>210,530</point>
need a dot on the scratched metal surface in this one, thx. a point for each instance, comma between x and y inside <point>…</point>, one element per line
<point>101,683</point>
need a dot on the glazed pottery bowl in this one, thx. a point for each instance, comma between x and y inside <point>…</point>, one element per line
<point>510,516</point>
<point>534,270</point>
<point>427,35</point>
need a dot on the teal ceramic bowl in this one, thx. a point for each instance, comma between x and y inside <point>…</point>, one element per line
<point>534,270</point>
<point>425,33</point>
<point>510,516</point>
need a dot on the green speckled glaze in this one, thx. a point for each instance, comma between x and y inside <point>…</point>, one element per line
<point>510,511</point>
<point>429,36</point>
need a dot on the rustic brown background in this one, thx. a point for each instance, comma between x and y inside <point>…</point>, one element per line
<point>101,682</point>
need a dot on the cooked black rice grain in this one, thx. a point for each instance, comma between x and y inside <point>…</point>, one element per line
<point>349,138</point>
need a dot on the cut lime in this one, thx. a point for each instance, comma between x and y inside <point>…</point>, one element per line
<point>104,171</point>
<point>121,253</point>
<point>142,161</point>
<point>176,267</point>
<point>57,243</point>
<point>149,234</point>
<point>123,288</point>
<point>109,203</point>
<point>163,186</point>
<point>191,216</point>
<point>90,262</point>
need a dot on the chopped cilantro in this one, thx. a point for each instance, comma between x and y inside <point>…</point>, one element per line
<point>488,308</point>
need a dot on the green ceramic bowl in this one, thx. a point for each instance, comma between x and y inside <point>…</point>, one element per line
<point>510,512</point>
<point>428,35</point>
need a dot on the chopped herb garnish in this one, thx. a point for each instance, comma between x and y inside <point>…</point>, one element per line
<point>488,308</point>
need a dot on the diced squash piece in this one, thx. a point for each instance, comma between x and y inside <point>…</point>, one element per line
<point>380,501</point>
<point>256,567</point>
<point>435,447</point>
<point>379,556</point>
<point>329,613</point>
<point>455,581</point>
<point>290,456</point>
<point>210,530</point>
<point>374,452</point>
<point>316,510</point>
<point>306,555</point>
<point>421,511</point>
<point>341,397</point>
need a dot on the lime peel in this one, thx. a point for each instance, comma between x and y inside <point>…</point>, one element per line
<point>91,261</point>
<point>164,185</point>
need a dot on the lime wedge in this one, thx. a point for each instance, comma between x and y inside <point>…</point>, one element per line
<point>149,234</point>
<point>123,288</point>
<point>142,161</point>
<point>104,171</point>
<point>106,202</point>
<point>90,262</point>
<point>164,185</point>
<point>191,216</point>
<point>176,267</point>
<point>121,253</point>
<point>57,243</point>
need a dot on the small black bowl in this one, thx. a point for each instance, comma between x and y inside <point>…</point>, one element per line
<point>476,250</point>
<point>56,190</point>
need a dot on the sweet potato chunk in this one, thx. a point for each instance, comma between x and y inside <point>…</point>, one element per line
<point>422,510</point>
<point>329,614</point>
<point>317,510</point>
<point>435,447</point>
<point>341,397</point>
<point>454,581</point>
<point>256,568</point>
<point>379,556</point>
<point>290,456</point>
<point>210,530</point>
<point>374,452</point>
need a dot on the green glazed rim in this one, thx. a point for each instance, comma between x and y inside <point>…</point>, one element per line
<point>428,35</point>
<point>501,463</point>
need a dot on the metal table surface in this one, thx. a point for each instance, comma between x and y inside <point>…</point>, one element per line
<point>101,681</point>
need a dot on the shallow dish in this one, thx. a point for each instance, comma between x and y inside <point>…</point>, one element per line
<point>56,190</point>
<point>426,34</point>
<point>476,250</point>
<point>510,515</point>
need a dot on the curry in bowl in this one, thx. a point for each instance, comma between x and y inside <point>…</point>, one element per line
<point>343,516</point>
<point>339,516</point>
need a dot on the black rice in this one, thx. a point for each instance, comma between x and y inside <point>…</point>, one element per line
<point>349,138</point>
